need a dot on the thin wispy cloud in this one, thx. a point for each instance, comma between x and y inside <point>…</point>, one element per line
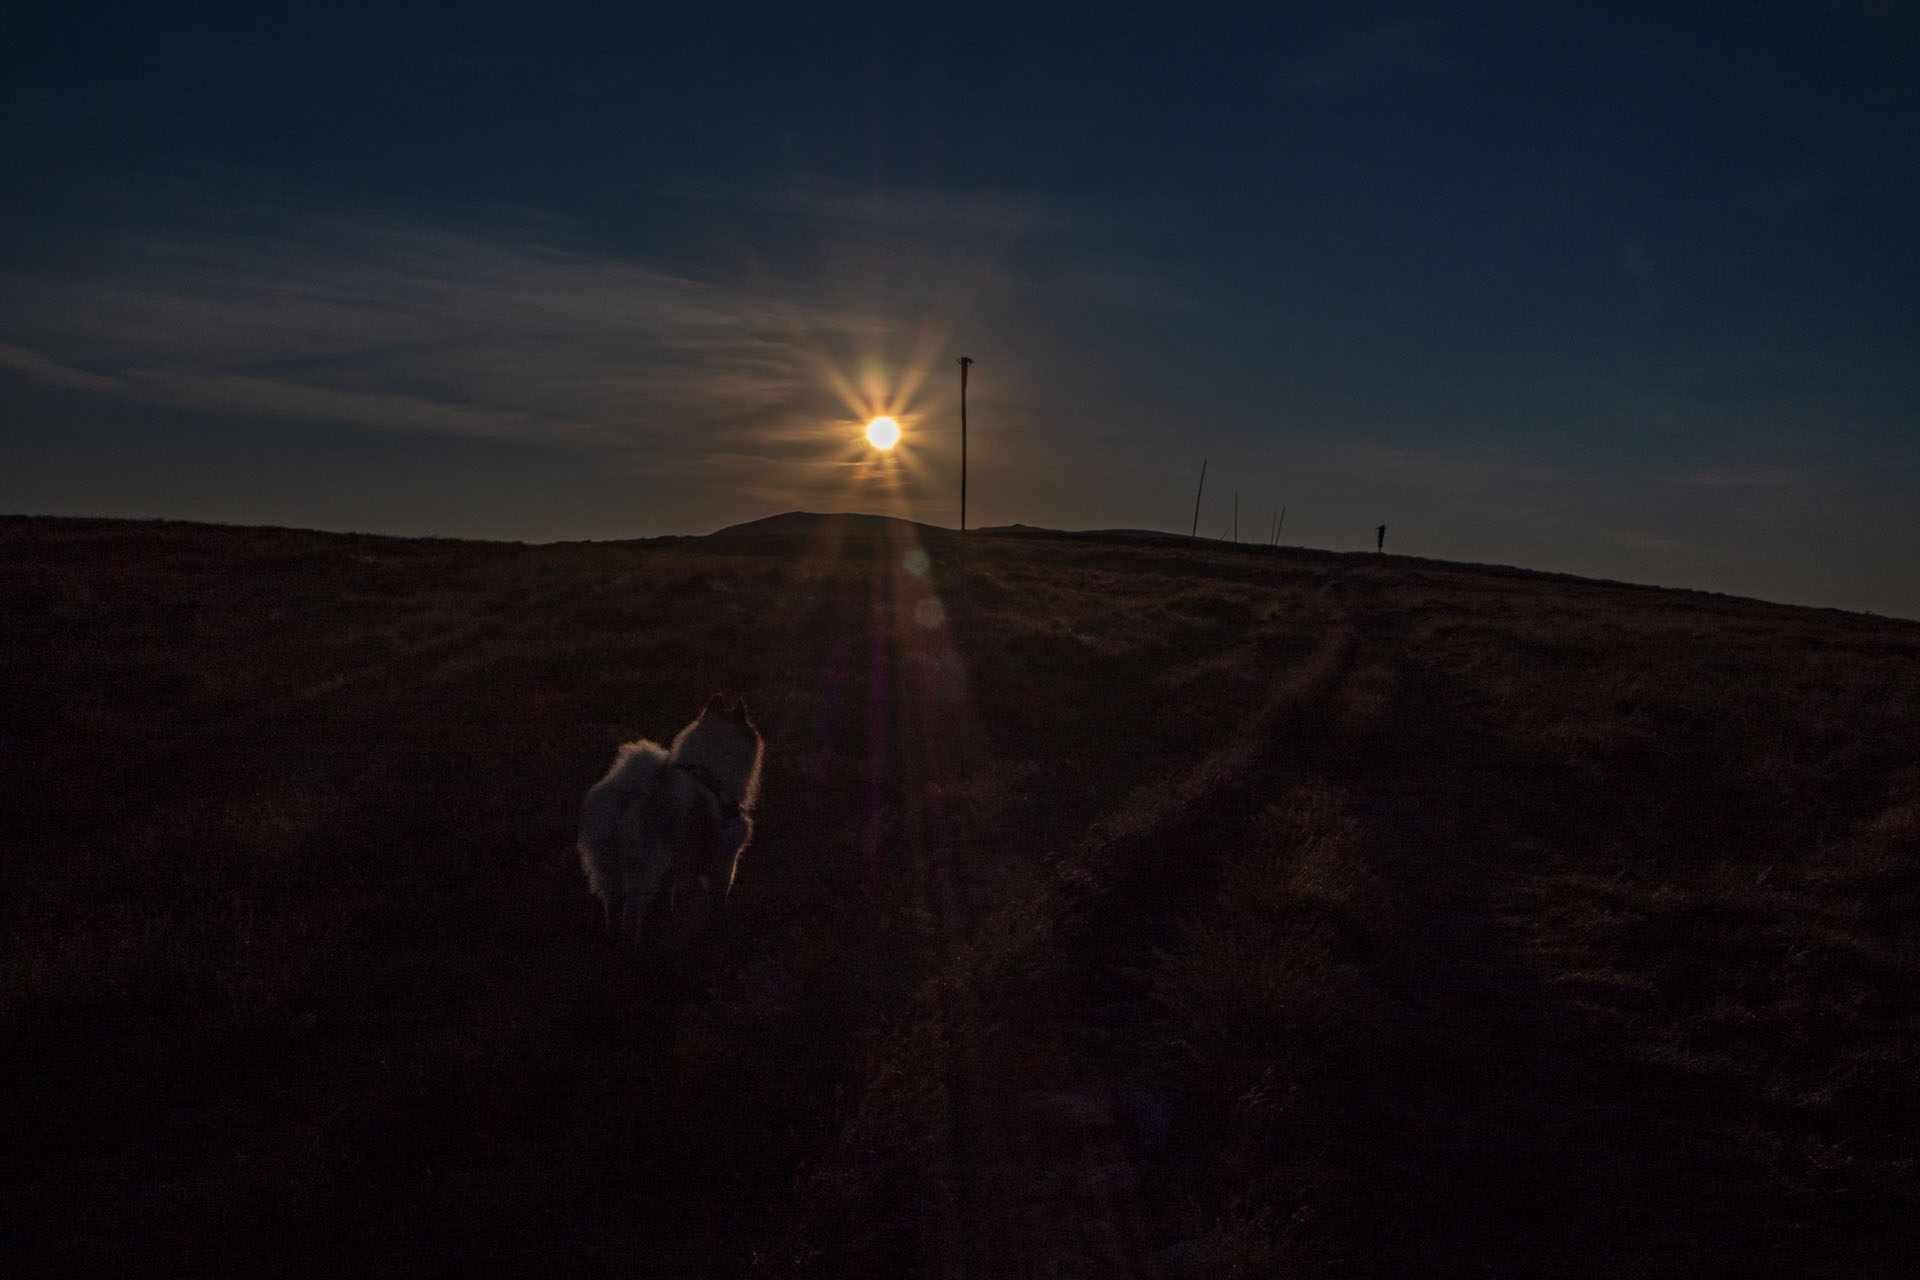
<point>1734,477</point>
<point>51,372</point>
<point>965,251</point>
<point>1433,467</point>
<point>923,211</point>
<point>385,324</point>
<point>1369,55</point>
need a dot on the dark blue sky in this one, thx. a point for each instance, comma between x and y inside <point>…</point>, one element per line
<point>1616,291</point>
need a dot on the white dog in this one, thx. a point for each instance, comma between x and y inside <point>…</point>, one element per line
<point>681,813</point>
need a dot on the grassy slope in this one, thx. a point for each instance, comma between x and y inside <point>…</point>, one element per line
<point>1137,908</point>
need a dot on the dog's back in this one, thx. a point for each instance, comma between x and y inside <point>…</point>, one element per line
<point>672,834</point>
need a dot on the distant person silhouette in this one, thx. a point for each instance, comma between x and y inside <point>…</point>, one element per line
<point>1380,538</point>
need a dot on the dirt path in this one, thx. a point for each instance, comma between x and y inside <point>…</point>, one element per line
<point>1495,1138</point>
<point>1073,1163</point>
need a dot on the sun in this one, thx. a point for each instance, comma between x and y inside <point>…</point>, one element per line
<point>883,433</point>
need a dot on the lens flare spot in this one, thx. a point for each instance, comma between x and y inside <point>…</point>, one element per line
<point>883,433</point>
<point>929,613</point>
<point>916,563</point>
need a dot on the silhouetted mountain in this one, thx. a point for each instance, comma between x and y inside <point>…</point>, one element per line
<point>841,524</point>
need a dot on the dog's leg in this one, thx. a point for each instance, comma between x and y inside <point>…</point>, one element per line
<point>601,863</point>
<point>734,838</point>
<point>640,881</point>
<point>650,834</point>
<point>612,903</point>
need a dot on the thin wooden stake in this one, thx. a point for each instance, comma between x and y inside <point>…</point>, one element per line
<point>1195,531</point>
<point>965,362</point>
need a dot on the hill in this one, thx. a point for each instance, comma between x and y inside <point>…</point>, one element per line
<point>1116,907</point>
<point>843,524</point>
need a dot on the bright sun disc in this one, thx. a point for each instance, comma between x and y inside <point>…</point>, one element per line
<point>883,433</point>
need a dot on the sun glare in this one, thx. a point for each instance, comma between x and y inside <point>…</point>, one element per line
<point>883,433</point>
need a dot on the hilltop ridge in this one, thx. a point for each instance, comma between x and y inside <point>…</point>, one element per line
<point>835,524</point>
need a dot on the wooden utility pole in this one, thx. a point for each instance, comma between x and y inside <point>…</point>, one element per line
<point>1195,531</point>
<point>965,361</point>
<point>1236,517</point>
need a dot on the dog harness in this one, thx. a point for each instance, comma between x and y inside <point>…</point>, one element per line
<point>729,807</point>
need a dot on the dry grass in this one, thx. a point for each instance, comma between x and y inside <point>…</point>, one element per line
<point>1147,907</point>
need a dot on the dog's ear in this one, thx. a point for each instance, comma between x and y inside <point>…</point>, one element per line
<point>715,705</point>
<point>740,711</point>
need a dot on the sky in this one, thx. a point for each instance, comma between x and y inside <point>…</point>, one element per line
<point>1627,291</point>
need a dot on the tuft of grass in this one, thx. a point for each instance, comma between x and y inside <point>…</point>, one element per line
<point>1269,984</point>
